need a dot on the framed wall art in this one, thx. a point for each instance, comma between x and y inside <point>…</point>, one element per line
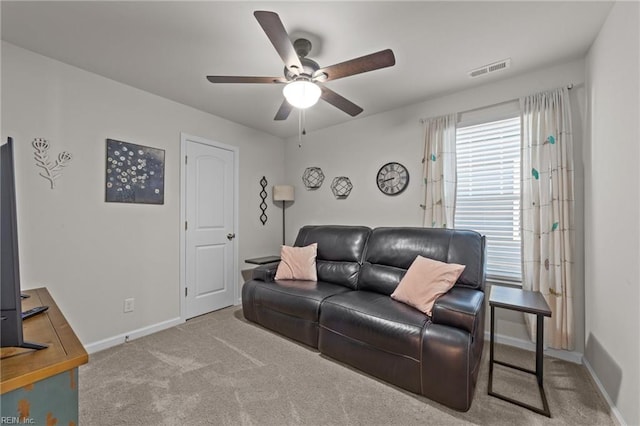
<point>134,173</point>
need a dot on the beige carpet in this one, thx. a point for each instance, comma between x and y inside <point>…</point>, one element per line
<point>219,369</point>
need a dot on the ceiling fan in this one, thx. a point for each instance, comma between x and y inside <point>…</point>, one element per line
<point>303,77</point>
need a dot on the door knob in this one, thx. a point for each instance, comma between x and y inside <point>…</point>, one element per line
<point>230,236</point>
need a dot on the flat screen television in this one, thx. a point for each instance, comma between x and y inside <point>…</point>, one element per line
<point>10,300</point>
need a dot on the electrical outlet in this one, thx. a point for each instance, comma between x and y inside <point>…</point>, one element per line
<point>128,305</point>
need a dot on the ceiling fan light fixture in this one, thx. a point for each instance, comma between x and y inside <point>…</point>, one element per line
<point>301,93</point>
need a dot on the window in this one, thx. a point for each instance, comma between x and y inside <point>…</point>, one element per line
<point>488,192</point>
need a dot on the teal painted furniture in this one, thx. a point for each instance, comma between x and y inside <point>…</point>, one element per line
<point>41,387</point>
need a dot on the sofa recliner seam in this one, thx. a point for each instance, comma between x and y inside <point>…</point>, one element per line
<point>468,372</point>
<point>368,314</point>
<point>368,344</point>
<point>275,289</point>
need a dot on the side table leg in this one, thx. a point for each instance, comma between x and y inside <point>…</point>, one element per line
<point>539,362</point>
<point>493,323</point>
<point>539,347</point>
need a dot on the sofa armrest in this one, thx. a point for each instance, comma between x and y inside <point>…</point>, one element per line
<point>460,308</point>
<point>265,272</point>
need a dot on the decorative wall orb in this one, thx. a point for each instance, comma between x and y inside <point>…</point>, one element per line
<point>341,187</point>
<point>313,177</point>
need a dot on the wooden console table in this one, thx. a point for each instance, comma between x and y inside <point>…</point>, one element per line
<point>41,387</point>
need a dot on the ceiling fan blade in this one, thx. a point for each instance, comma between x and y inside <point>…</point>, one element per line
<point>236,79</point>
<point>374,61</point>
<point>340,102</point>
<point>272,26</point>
<point>284,111</point>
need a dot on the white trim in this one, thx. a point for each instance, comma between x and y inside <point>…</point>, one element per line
<point>183,219</point>
<point>500,111</point>
<point>571,356</point>
<point>575,357</point>
<point>614,410</point>
<point>184,138</point>
<point>109,342</point>
<point>236,226</point>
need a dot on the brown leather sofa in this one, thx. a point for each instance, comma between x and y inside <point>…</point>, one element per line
<point>348,313</point>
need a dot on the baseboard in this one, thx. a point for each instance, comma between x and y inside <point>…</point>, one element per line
<point>614,410</point>
<point>570,356</point>
<point>134,334</point>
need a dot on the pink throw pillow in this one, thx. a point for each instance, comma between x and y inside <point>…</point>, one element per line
<point>425,281</point>
<point>298,263</point>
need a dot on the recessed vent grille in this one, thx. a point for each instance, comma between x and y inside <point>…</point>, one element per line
<point>487,69</point>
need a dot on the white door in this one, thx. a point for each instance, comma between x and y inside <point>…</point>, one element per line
<point>209,237</point>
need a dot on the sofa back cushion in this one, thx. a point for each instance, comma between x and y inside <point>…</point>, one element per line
<point>390,252</point>
<point>340,251</point>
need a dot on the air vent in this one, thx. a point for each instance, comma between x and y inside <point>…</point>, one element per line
<point>487,69</point>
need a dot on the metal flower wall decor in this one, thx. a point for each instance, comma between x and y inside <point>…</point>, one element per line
<point>52,169</point>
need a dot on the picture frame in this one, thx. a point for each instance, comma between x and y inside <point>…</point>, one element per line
<point>133,173</point>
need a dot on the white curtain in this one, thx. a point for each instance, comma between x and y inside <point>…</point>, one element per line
<point>547,222</point>
<point>439,171</point>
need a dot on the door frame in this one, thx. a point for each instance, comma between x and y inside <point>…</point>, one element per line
<point>184,139</point>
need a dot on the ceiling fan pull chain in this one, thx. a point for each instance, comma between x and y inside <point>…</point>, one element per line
<point>300,112</point>
<point>304,122</point>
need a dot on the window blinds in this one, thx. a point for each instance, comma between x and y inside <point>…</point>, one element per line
<point>488,192</point>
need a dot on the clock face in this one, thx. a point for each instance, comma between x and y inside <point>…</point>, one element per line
<point>392,178</point>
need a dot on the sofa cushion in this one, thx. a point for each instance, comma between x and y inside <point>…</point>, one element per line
<point>300,299</point>
<point>390,252</point>
<point>340,251</point>
<point>426,280</point>
<point>376,320</point>
<point>297,263</point>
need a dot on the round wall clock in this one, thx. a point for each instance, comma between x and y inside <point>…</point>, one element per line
<point>393,178</point>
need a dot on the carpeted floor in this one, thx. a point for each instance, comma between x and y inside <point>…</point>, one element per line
<point>219,369</point>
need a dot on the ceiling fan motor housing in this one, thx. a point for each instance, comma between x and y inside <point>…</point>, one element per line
<point>302,47</point>
<point>309,67</point>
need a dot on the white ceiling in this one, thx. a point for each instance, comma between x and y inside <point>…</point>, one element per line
<point>168,48</point>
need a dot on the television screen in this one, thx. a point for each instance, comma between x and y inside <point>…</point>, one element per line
<point>10,301</point>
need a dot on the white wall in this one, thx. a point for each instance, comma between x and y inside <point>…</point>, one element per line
<point>612,210</point>
<point>359,147</point>
<point>91,254</point>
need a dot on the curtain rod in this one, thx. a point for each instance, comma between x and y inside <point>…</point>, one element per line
<point>568,86</point>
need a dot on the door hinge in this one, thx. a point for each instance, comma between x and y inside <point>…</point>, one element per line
<point>185,159</point>
<point>186,291</point>
<point>186,226</point>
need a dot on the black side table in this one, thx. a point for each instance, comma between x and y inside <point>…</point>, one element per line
<point>263,260</point>
<point>530,302</point>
